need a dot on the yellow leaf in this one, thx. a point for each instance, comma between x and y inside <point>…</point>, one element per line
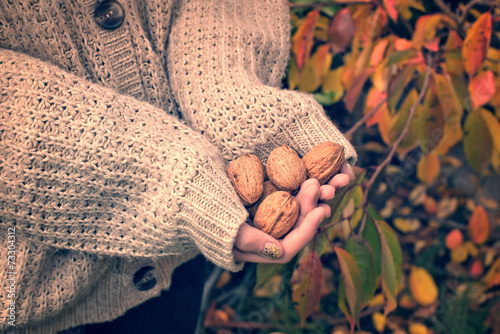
<point>293,76</point>
<point>383,125</point>
<point>407,225</point>
<point>452,135</point>
<point>428,168</point>
<point>378,320</point>
<point>377,300</point>
<point>492,278</point>
<point>333,82</point>
<point>459,254</point>
<point>479,225</point>
<point>493,126</point>
<point>418,328</point>
<point>422,286</point>
<point>269,288</point>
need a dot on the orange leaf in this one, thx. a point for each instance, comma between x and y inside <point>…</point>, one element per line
<point>428,168</point>
<point>302,40</point>
<point>479,225</point>
<point>373,98</point>
<point>476,44</point>
<point>402,44</point>
<point>482,89</point>
<point>454,239</point>
<point>378,52</point>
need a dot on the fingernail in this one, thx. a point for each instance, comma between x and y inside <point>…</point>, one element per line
<point>272,251</point>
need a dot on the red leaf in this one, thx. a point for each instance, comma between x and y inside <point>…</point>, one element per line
<point>354,91</point>
<point>476,44</point>
<point>390,6</point>
<point>341,30</point>
<point>482,89</point>
<point>479,225</point>
<point>307,282</point>
<point>302,40</point>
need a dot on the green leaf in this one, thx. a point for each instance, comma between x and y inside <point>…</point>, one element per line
<point>391,261</point>
<point>328,98</point>
<point>351,279</point>
<point>264,273</point>
<point>342,304</point>
<point>399,56</point>
<point>306,284</point>
<point>477,142</point>
<point>370,234</point>
<point>365,261</point>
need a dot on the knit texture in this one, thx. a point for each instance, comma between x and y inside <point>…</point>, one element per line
<point>114,144</point>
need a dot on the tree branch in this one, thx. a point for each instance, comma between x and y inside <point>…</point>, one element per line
<point>365,117</point>
<point>403,134</point>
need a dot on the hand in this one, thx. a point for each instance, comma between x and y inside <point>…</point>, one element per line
<point>342,179</point>
<point>253,245</point>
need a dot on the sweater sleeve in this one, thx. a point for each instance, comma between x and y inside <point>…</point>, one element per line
<point>226,61</point>
<point>85,168</point>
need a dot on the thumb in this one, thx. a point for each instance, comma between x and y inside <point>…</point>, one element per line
<point>252,240</point>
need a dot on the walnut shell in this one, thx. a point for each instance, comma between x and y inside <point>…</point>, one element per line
<point>285,169</point>
<point>324,161</point>
<point>247,177</point>
<point>277,214</point>
<point>269,188</point>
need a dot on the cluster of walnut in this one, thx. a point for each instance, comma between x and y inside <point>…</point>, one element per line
<point>270,201</point>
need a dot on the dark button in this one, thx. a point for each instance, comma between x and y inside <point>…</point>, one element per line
<point>109,14</point>
<point>145,278</point>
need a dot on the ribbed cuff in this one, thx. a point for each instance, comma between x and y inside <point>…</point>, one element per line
<point>315,127</point>
<point>211,214</point>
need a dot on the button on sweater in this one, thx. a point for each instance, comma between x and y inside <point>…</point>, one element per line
<point>114,145</point>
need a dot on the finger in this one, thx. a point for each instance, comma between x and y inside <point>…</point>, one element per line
<point>327,192</point>
<point>347,169</point>
<point>252,240</point>
<point>302,234</point>
<point>308,196</point>
<point>340,180</point>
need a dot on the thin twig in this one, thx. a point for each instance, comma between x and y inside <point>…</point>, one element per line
<point>403,134</point>
<point>365,117</point>
<point>473,3</point>
<point>325,4</point>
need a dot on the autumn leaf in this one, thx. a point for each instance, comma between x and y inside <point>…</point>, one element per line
<point>479,225</point>
<point>351,280</point>
<point>492,278</point>
<point>315,69</point>
<point>378,52</point>
<point>493,126</point>
<point>353,93</point>
<point>454,239</point>
<point>341,30</point>
<point>306,283</point>
<point>406,225</point>
<point>477,142</point>
<point>482,89</point>
<point>476,44</point>
<point>302,40</point>
<point>428,168</point>
<point>430,122</point>
<point>422,286</point>
<point>373,98</point>
<point>398,84</point>
<point>390,6</point>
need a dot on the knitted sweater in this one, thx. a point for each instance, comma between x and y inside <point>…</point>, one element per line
<point>114,145</point>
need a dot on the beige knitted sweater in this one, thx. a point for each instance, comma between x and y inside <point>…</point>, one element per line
<point>113,145</point>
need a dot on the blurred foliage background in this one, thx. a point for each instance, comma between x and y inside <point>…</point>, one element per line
<point>413,243</point>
